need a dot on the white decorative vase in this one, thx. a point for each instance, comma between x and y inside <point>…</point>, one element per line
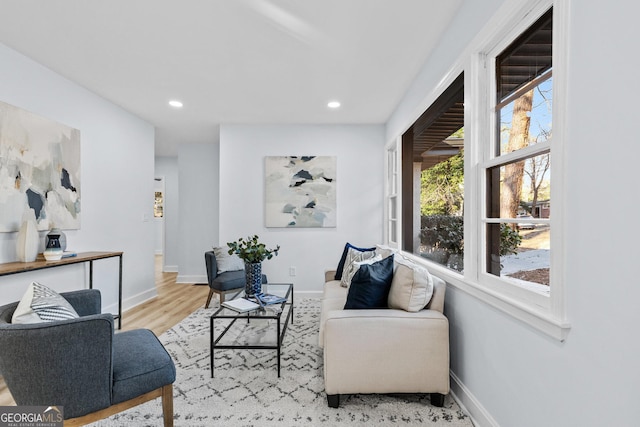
<point>28,238</point>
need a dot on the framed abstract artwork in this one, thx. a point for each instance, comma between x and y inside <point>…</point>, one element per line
<point>300,191</point>
<point>39,170</point>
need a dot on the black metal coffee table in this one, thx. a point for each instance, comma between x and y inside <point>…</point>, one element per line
<point>236,335</point>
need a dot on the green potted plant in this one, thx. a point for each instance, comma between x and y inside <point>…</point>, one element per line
<point>252,252</point>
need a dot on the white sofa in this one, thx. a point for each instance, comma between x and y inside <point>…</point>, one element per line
<point>383,350</point>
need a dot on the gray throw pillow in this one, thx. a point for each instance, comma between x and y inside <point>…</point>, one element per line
<point>227,262</point>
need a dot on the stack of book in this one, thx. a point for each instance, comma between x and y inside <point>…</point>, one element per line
<point>243,305</point>
<point>270,299</point>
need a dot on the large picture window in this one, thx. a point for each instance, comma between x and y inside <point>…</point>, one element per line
<point>433,181</point>
<point>473,195</point>
<point>518,171</point>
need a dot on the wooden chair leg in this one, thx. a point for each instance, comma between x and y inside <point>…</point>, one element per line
<point>167,405</point>
<point>221,294</point>
<point>166,393</point>
<point>209,298</point>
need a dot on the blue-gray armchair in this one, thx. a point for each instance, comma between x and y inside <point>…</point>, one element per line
<point>82,365</point>
<point>221,283</point>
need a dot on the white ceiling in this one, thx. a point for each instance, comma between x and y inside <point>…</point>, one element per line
<point>232,61</point>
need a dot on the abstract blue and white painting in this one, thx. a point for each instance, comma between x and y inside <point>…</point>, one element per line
<point>300,191</point>
<point>39,170</point>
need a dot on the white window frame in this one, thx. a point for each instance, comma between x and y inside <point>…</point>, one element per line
<point>544,313</point>
<point>393,195</point>
<point>488,159</point>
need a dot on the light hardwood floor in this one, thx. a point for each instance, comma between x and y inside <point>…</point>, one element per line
<point>173,303</point>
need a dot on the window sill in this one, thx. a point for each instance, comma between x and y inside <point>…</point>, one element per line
<point>536,317</point>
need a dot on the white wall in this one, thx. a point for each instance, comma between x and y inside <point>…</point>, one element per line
<point>167,167</point>
<point>198,166</point>
<point>117,184</point>
<point>471,17</point>
<point>360,154</point>
<point>512,374</point>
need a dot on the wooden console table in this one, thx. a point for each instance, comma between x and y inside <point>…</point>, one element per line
<point>82,257</point>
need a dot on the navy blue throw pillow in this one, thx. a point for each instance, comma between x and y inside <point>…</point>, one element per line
<point>370,286</point>
<point>338,275</point>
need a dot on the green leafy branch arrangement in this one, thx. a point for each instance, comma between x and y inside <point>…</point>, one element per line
<point>251,250</point>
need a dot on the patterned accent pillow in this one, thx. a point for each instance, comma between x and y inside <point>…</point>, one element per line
<point>42,304</point>
<point>227,262</point>
<point>351,264</point>
<point>343,257</point>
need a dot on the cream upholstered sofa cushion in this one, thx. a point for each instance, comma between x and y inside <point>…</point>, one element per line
<point>386,351</point>
<point>334,298</point>
<point>411,287</point>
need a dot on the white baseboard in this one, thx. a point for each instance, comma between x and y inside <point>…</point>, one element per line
<point>170,268</point>
<point>132,301</point>
<point>191,279</point>
<point>470,404</point>
<point>307,294</point>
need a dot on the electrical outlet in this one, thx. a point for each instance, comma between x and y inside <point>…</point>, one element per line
<point>292,271</point>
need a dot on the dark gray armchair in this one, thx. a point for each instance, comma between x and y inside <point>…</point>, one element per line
<point>223,282</point>
<point>82,365</point>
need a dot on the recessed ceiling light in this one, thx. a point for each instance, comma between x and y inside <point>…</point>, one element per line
<point>333,104</point>
<point>175,104</point>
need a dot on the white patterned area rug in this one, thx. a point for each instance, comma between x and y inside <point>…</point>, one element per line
<point>246,390</point>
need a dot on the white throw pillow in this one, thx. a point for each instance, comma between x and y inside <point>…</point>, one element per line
<point>41,304</point>
<point>352,263</point>
<point>411,287</point>
<point>227,262</point>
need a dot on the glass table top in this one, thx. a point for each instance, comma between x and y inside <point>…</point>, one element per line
<point>270,310</point>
